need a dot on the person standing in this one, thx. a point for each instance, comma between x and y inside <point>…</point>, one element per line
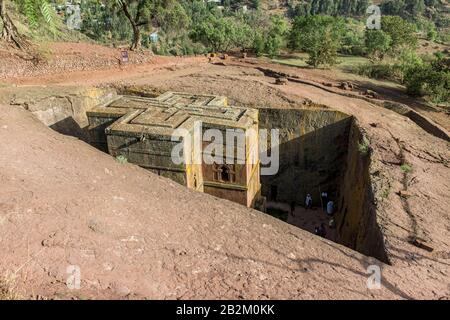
<point>330,208</point>
<point>332,224</point>
<point>324,196</point>
<point>308,202</point>
<point>321,231</point>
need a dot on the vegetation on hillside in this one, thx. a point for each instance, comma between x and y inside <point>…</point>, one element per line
<point>322,29</point>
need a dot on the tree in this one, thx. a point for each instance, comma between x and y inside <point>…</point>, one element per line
<point>9,30</point>
<point>217,33</point>
<point>34,10</point>
<point>256,4</point>
<point>353,37</point>
<point>377,43</point>
<point>151,13</point>
<point>278,30</point>
<point>393,7</point>
<point>319,36</point>
<point>402,33</point>
<point>415,7</point>
<point>243,36</point>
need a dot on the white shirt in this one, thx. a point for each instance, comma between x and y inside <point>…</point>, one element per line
<point>330,207</point>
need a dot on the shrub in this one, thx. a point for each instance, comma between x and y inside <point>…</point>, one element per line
<point>430,79</point>
<point>377,43</point>
<point>383,71</point>
<point>395,71</point>
<point>364,147</point>
<point>353,38</point>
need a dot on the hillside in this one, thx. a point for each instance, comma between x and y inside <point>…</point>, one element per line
<point>367,122</point>
<point>86,209</point>
<point>170,243</point>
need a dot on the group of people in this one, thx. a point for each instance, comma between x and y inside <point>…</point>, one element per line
<point>321,231</point>
<point>327,204</point>
<point>328,207</point>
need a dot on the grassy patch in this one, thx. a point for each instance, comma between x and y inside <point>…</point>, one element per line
<point>298,60</point>
<point>278,213</point>
<point>364,147</point>
<point>8,289</point>
<point>406,168</point>
<point>122,159</point>
<point>386,192</point>
<point>345,63</point>
<point>350,63</point>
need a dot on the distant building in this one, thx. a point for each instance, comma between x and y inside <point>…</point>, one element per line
<point>154,37</point>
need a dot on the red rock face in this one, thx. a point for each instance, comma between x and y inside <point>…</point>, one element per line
<point>135,235</point>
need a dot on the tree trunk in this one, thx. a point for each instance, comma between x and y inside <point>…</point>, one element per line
<point>136,44</point>
<point>137,38</point>
<point>9,32</point>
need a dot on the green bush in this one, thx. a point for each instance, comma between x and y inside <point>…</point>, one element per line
<point>377,43</point>
<point>396,70</point>
<point>381,71</point>
<point>431,79</point>
<point>353,38</point>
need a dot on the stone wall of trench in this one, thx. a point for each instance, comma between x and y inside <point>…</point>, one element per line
<point>313,151</point>
<point>60,108</point>
<point>356,217</point>
<point>318,151</point>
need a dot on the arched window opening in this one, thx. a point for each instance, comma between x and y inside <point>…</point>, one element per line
<point>225,174</point>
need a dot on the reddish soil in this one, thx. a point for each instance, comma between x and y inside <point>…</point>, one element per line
<point>79,64</point>
<point>135,235</point>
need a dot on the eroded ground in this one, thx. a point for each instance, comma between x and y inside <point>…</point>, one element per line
<point>138,236</point>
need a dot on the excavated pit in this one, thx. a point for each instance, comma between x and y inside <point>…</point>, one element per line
<point>320,150</point>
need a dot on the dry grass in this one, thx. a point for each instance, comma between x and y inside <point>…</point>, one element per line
<point>8,288</point>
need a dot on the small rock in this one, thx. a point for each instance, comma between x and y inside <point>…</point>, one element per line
<point>372,94</point>
<point>346,86</point>
<point>405,194</point>
<point>282,81</point>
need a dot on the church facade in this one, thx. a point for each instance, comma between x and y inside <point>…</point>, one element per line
<point>142,130</point>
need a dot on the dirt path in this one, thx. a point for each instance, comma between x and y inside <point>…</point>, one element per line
<point>111,75</point>
<point>82,64</point>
